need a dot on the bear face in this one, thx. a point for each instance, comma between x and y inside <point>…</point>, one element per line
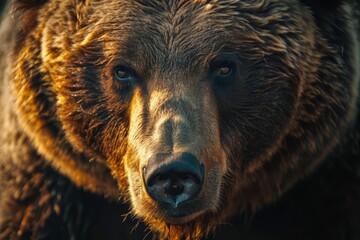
<point>199,109</point>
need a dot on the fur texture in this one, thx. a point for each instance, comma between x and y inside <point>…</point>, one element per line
<point>278,136</point>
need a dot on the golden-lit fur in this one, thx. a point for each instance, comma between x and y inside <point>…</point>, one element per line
<point>291,102</point>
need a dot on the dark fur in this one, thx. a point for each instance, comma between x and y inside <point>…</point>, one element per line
<point>288,122</point>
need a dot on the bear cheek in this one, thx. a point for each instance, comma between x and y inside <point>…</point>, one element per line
<point>174,160</point>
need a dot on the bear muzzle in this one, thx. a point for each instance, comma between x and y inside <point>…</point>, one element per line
<point>175,161</point>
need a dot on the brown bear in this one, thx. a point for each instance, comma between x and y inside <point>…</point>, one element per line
<point>196,113</point>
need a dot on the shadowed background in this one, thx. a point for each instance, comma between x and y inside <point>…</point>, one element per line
<point>2,5</point>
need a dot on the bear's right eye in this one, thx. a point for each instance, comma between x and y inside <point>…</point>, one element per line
<point>124,74</point>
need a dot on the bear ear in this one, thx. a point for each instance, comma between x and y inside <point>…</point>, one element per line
<point>27,4</point>
<point>19,5</point>
<point>25,11</point>
<point>324,6</point>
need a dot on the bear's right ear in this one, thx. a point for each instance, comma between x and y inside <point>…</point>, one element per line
<point>26,10</point>
<point>25,4</point>
<point>28,4</point>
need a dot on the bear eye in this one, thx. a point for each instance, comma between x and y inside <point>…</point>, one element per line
<point>123,74</point>
<point>223,71</point>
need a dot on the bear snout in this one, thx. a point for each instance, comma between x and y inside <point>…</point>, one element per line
<point>173,180</point>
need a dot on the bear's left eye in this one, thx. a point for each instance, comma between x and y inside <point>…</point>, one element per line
<point>223,72</point>
<point>123,74</point>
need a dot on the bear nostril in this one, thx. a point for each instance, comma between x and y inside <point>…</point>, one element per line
<point>177,180</point>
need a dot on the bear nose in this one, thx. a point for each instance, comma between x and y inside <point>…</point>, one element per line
<point>177,179</point>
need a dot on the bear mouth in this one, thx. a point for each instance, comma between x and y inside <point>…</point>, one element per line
<point>181,214</point>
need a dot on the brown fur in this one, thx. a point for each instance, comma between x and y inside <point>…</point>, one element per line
<point>292,101</point>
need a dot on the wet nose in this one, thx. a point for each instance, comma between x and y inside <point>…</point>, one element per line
<point>174,179</point>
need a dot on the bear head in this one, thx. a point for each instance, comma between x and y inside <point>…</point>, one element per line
<point>192,110</point>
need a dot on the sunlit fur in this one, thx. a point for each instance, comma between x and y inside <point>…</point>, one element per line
<point>292,99</point>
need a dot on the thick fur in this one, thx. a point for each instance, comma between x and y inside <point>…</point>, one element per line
<point>279,141</point>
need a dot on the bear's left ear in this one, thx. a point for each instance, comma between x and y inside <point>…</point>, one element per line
<point>324,6</point>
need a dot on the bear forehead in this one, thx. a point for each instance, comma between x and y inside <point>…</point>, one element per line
<point>189,32</point>
<point>176,16</point>
<point>166,30</point>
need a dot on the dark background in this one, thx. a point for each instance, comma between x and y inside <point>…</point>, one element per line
<point>2,4</point>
